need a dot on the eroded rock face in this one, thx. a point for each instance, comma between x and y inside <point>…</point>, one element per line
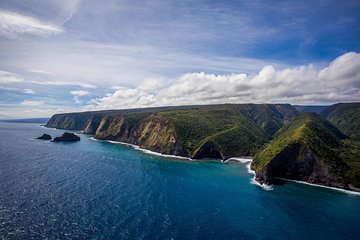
<point>208,150</point>
<point>156,133</point>
<point>67,137</point>
<point>113,128</point>
<point>298,162</point>
<point>91,125</point>
<point>45,137</point>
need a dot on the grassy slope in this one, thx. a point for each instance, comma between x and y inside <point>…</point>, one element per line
<point>346,117</point>
<point>193,126</point>
<point>235,129</point>
<point>310,129</point>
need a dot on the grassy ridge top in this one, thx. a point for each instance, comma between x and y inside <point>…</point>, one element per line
<point>310,129</point>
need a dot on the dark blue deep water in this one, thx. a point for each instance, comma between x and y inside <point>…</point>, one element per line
<point>99,190</point>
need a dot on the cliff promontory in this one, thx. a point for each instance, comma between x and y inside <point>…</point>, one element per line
<point>307,149</point>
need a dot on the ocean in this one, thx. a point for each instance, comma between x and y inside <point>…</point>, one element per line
<point>101,190</point>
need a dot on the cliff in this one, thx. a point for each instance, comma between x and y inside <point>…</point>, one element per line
<point>307,149</point>
<point>285,145</point>
<point>212,131</point>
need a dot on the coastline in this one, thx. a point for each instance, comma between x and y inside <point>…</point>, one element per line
<point>136,147</point>
<point>247,160</point>
<point>322,186</point>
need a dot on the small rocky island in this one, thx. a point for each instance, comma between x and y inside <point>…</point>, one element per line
<point>67,137</point>
<point>45,137</point>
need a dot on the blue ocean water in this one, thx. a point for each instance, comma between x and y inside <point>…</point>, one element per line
<point>99,190</point>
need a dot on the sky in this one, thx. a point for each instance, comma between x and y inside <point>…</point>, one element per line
<point>80,55</point>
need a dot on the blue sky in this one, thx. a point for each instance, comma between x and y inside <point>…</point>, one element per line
<point>72,55</point>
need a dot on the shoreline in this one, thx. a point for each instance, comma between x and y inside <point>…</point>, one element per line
<point>247,160</point>
<point>136,147</point>
<point>322,186</point>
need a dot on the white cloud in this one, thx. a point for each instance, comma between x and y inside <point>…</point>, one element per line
<point>63,83</point>
<point>7,77</point>
<point>38,71</point>
<point>106,65</point>
<point>339,81</point>
<point>79,93</point>
<point>12,24</point>
<point>30,103</point>
<point>29,91</point>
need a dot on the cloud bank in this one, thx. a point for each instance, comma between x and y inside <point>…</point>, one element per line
<point>12,24</point>
<point>8,77</point>
<point>337,82</point>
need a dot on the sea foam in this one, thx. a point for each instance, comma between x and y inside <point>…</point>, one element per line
<point>322,186</point>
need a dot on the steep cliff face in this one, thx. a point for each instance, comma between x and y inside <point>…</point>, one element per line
<point>157,134</point>
<point>208,150</point>
<point>69,121</point>
<point>305,150</point>
<point>233,129</point>
<point>298,161</point>
<point>113,127</point>
<point>92,124</point>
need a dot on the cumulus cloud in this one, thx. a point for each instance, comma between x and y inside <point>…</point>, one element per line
<point>338,82</point>
<point>12,24</point>
<point>8,77</point>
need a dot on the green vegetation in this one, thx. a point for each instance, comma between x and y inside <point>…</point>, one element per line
<point>228,130</point>
<point>340,154</point>
<point>237,129</point>
<point>309,129</point>
<point>346,117</point>
<point>350,153</point>
<point>195,126</point>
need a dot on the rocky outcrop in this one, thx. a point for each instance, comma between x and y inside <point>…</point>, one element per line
<point>45,137</point>
<point>67,137</point>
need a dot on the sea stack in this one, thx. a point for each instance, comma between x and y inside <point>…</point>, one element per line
<point>67,137</point>
<point>45,137</point>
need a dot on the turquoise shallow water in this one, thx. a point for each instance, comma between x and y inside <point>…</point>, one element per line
<point>99,190</point>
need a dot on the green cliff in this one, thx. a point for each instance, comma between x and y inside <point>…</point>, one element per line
<point>285,145</point>
<point>227,130</point>
<point>307,149</point>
